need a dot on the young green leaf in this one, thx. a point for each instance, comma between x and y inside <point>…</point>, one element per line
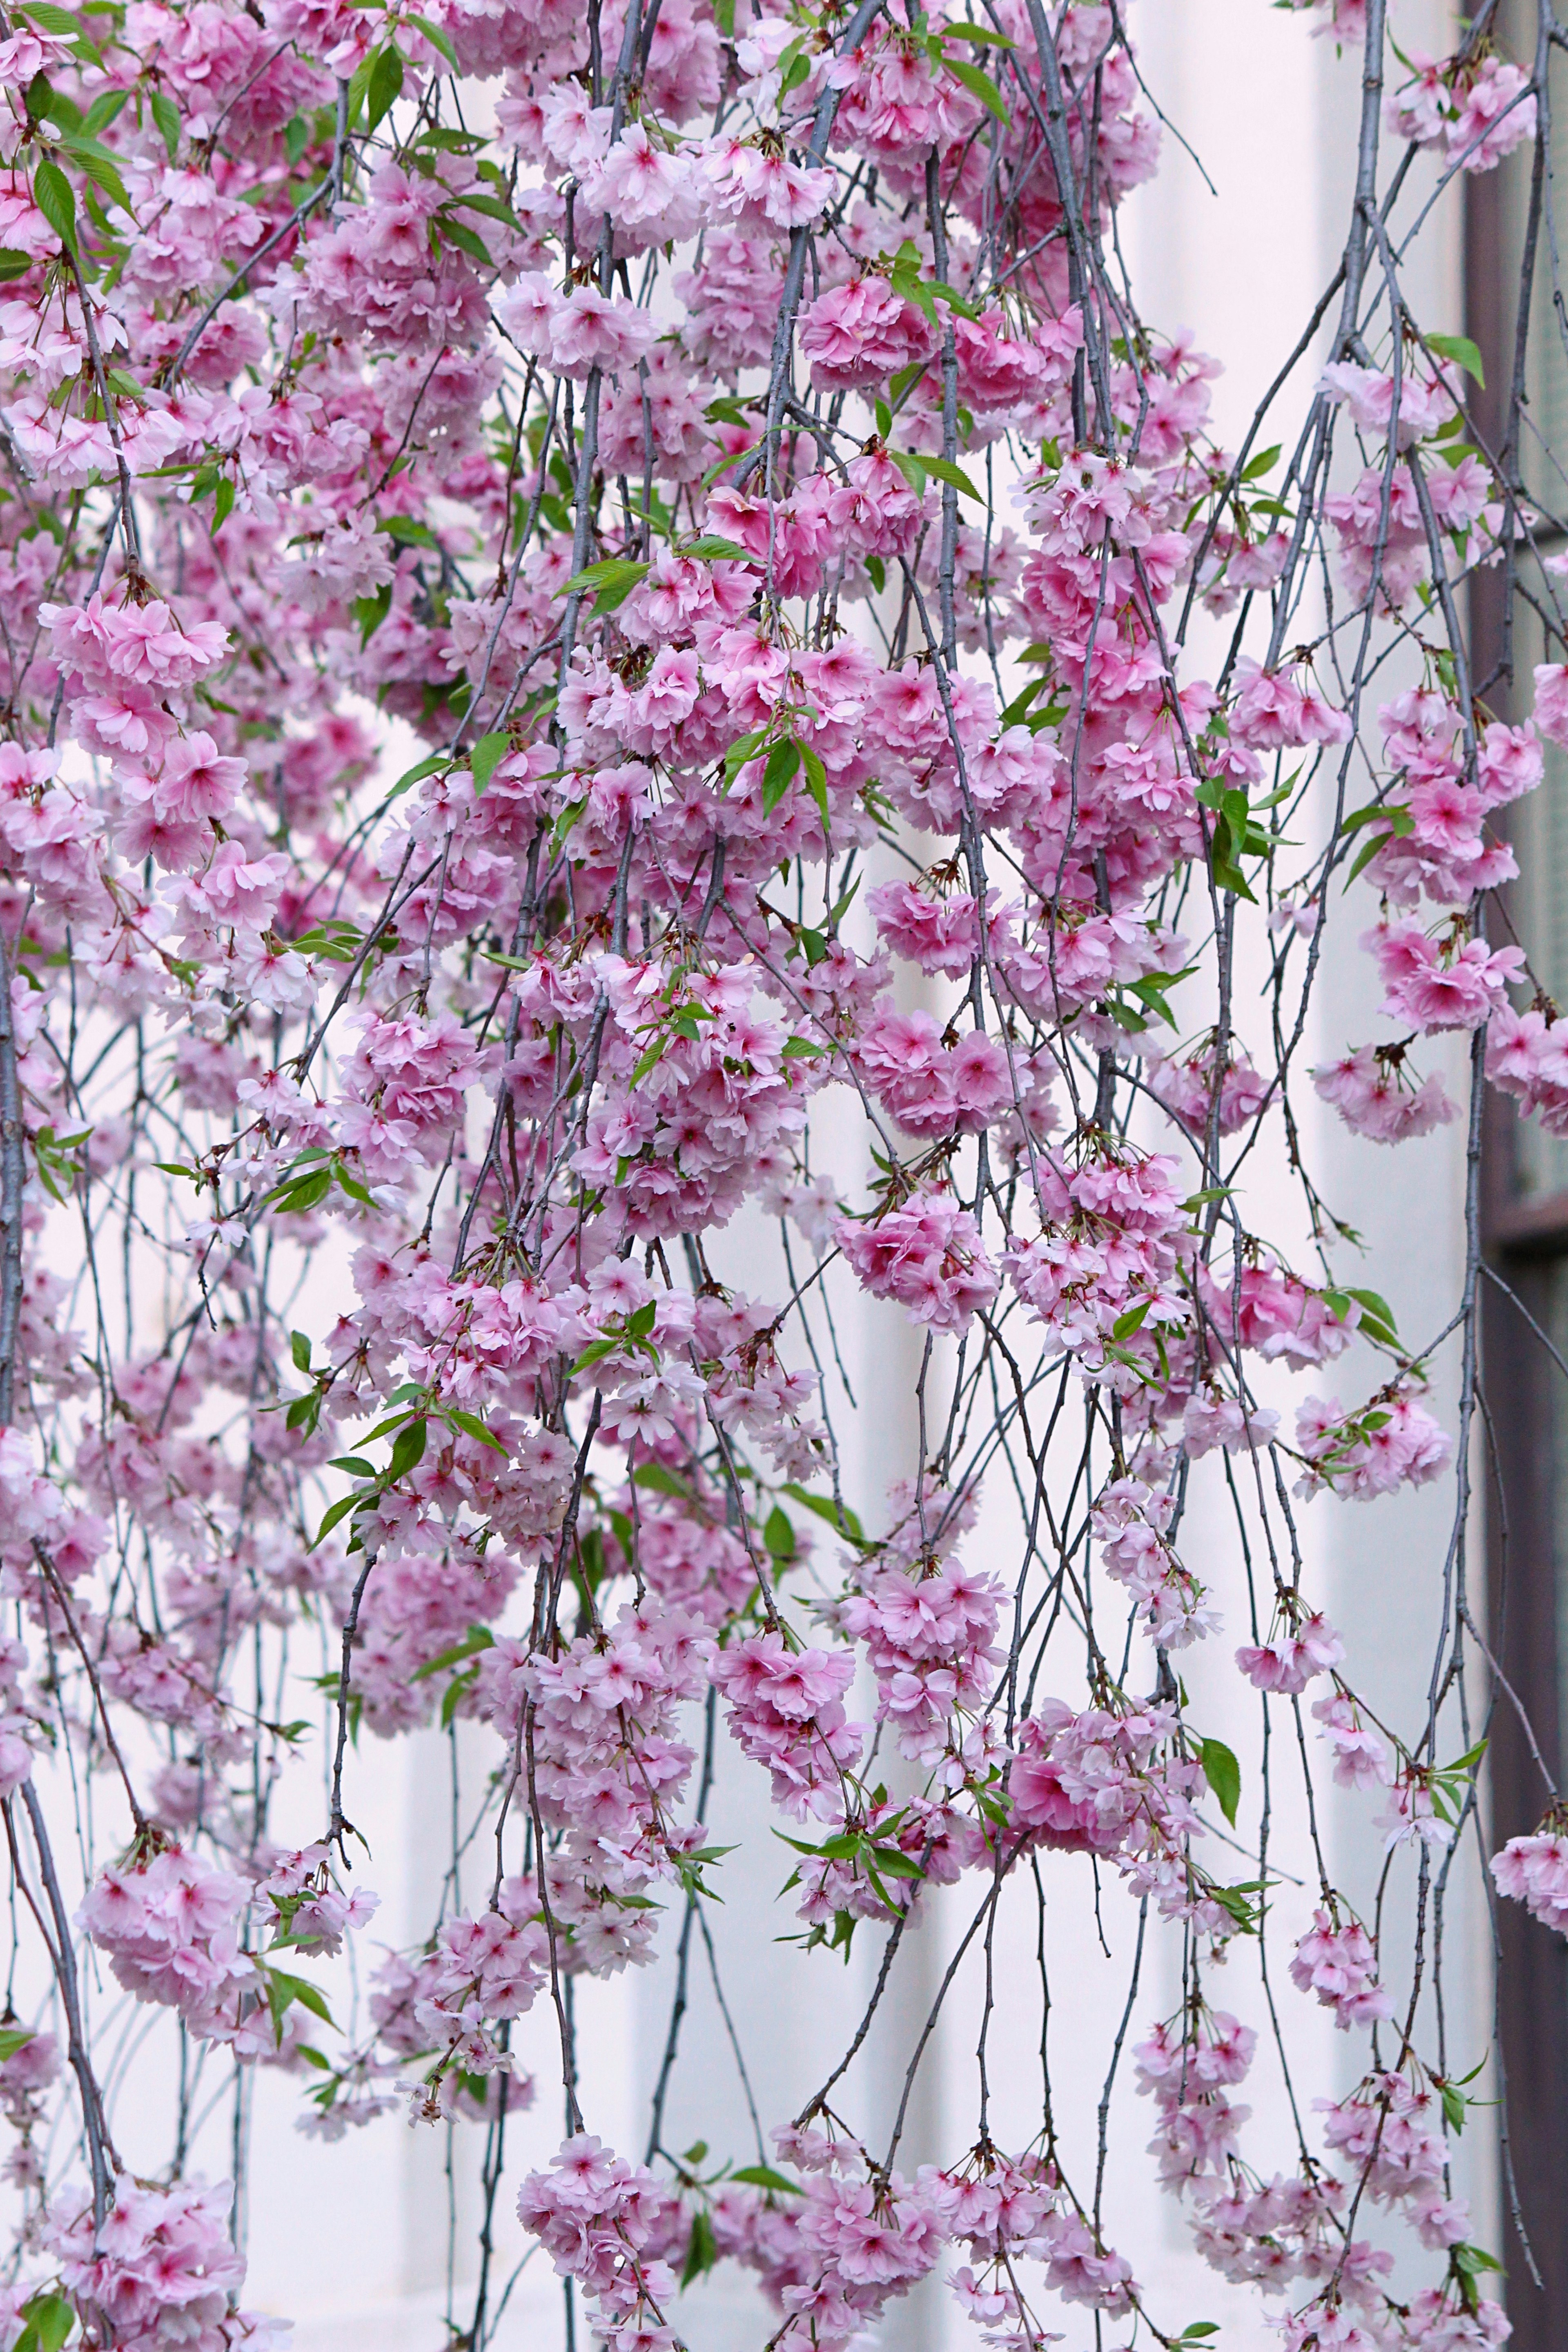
<point>609,583</point>
<point>843,1521</point>
<point>762,2176</point>
<point>437,39</point>
<point>340,1510</point>
<point>166,115</point>
<point>1464,353</point>
<point>49,2320</point>
<point>53,195</point>
<point>472,1426</point>
<point>779,1535</point>
<point>476,1638</point>
<point>979,85</point>
<point>654,1476</point>
<point>383,84</point>
<point>779,773</point>
<point>487,756</point>
<point>409,1449</point>
<point>466,240</point>
<point>1223,1774</point>
<point>284,1990</point>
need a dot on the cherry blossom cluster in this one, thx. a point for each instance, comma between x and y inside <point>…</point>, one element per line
<point>603,785</point>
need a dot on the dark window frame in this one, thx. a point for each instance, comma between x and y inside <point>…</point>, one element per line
<point>1525,1241</point>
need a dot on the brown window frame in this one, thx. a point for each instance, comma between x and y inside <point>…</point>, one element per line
<point>1525,1241</point>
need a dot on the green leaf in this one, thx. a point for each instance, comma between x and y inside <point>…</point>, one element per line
<point>730,457</point>
<point>283,1990</point>
<point>762,2176</point>
<point>50,2319</point>
<point>654,1475</point>
<point>14,2038</point>
<point>12,264</point>
<point>711,548</point>
<point>1459,348</point>
<point>609,583</point>
<point>456,1692</point>
<point>724,18</point>
<point>843,1522</point>
<point>797,1049</point>
<point>340,1510</point>
<point>437,39</point>
<point>300,1348</point>
<point>99,164</point>
<point>1256,467</point>
<point>895,1862</point>
<point>1400,821</point>
<point>779,1535</point>
<point>1473,2259</point>
<point>980,34</point>
<point>1223,1774</point>
<point>476,1638</point>
<point>472,1426</point>
<point>1224,844</point>
<point>409,1449</point>
<point>492,207</point>
<point>52,194</point>
<point>417,773</point>
<point>1372,1306</point>
<point>369,613</point>
<point>702,2249</point>
<point>383,84</point>
<point>779,773</point>
<point>912,469</point>
<point>1234,1900</point>
<point>166,115</point>
<point>744,748</point>
<point>817,784</point>
<point>979,85</point>
<point>487,756</point>
<point>639,1325</point>
<point>466,240</point>
<point>1381,812</point>
<point>291,1198</point>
